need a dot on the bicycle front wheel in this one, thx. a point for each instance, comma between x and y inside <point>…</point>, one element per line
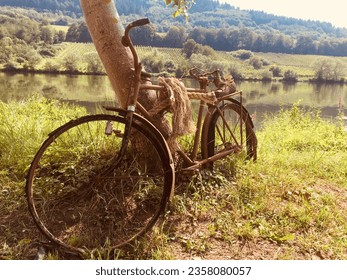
<point>228,126</point>
<point>82,197</point>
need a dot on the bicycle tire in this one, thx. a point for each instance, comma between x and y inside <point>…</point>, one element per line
<point>81,199</point>
<point>219,135</point>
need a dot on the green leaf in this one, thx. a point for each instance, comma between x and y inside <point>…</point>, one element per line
<point>176,13</point>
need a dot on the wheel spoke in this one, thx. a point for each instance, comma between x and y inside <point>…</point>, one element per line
<point>227,130</point>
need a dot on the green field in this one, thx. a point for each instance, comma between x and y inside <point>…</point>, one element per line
<point>58,28</point>
<point>82,58</point>
<point>302,65</point>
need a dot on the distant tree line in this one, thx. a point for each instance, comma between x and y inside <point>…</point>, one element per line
<point>226,39</point>
<point>211,23</point>
<point>70,7</point>
<point>229,39</point>
<point>204,13</point>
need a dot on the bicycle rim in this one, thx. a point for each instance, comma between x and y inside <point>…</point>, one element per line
<point>230,128</point>
<point>79,195</point>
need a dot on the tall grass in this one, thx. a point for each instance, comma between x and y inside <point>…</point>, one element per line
<point>24,125</point>
<point>290,204</point>
<point>297,190</point>
<point>306,144</point>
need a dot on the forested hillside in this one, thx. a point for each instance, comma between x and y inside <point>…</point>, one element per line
<point>205,13</point>
<point>220,26</point>
<point>66,6</point>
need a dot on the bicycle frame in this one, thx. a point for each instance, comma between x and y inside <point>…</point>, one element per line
<point>133,105</point>
<point>192,162</point>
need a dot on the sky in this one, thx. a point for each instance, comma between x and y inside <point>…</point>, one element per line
<point>333,11</point>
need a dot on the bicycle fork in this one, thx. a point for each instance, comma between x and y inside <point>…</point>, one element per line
<point>129,115</point>
<point>125,136</point>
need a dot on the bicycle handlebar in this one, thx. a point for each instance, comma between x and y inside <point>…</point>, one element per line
<point>140,22</point>
<point>205,78</point>
<point>203,75</point>
<point>136,23</point>
<point>126,40</point>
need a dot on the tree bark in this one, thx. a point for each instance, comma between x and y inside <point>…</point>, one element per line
<point>106,30</point>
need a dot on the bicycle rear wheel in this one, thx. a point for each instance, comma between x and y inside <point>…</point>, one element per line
<point>229,127</point>
<point>81,197</point>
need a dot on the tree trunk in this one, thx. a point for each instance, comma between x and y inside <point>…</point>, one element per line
<point>106,30</point>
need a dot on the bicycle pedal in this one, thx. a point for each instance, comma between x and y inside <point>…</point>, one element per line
<point>237,149</point>
<point>118,133</point>
<point>188,172</point>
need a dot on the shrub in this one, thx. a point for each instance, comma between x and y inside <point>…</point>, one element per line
<point>328,70</point>
<point>70,63</point>
<point>94,64</point>
<point>276,71</point>
<point>30,57</point>
<point>243,54</point>
<point>51,66</point>
<point>265,62</point>
<point>290,76</point>
<point>190,47</point>
<point>235,72</point>
<point>198,60</point>
<point>266,76</point>
<point>256,62</point>
<point>204,50</point>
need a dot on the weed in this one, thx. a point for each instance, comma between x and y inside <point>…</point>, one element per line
<point>291,202</point>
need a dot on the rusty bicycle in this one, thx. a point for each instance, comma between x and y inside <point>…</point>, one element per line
<point>88,187</point>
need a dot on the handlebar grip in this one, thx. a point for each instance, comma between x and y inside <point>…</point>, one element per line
<point>126,39</point>
<point>140,22</point>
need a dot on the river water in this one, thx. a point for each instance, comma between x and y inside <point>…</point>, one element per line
<point>259,98</point>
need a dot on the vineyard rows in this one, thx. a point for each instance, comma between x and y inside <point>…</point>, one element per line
<point>174,54</point>
<point>81,49</point>
<point>300,64</point>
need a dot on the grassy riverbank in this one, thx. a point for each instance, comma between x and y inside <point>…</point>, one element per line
<point>290,204</point>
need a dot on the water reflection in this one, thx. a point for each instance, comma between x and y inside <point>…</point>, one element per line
<point>88,91</point>
<point>260,98</point>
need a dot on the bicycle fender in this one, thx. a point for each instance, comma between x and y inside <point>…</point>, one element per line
<point>142,121</point>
